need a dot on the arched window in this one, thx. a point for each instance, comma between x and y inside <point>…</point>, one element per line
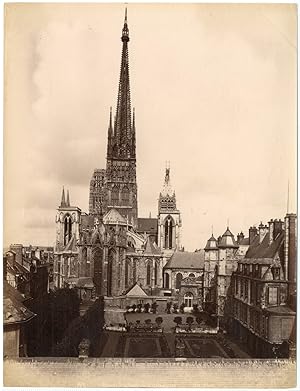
<point>188,299</point>
<point>167,280</point>
<point>191,275</point>
<point>111,258</point>
<point>125,196</point>
<point>84,254</point>
<point>115,196</point>
<point>134,270</point>
<point>155,273</point>
<point>178,280</point>
<point>97,257</point>
<point>169,224</point>
<point>84,261</point>
<point>67,229</point>
<point>148,274</point>
<point>126,273</point>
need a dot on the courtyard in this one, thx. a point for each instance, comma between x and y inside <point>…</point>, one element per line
<point>166,345</point>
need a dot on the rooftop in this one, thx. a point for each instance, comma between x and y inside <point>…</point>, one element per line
<point>186,260</point>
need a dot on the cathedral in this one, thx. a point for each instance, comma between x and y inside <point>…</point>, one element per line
<point>109,249</point>
<point>246,284</point>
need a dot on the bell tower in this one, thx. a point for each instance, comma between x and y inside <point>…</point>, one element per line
<point>67,224</point>
<point>169,219</point>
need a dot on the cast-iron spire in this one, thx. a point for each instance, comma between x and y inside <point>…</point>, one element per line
<point>123,132</point>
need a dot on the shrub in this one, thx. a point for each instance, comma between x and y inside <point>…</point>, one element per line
<point>168,309</point>
<point>195,308</point>
<point>147,307</point>
<point>178,320</point>
<point>189,320</point>
<point>154,307</point>
<point>182,308</point>
<point>159,320</point>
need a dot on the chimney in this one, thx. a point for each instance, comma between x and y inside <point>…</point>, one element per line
<point>262,230</point>
<point>240,237</point>
<point>18,249</point>
<point>290,252</point>
<point>278,228</point>
<point>252,234</point>
<point>271,231</point>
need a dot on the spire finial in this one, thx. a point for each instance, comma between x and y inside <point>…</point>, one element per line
<point>63,199</point>
<point>212,230</point>
<point>110,117</point>
<point>68,198</point>
<point>125,31</point>
<point>227,223</point>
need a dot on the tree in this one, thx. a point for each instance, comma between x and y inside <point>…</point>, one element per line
<point>168,309</point>
<point>190,321</point>
<point>139,308</point>
<point>182,308</point>
<point>147,307</point>
<point>175,308</point>
<point>154,307</point>
<point>195,308</point>
<point>159,321</point>
<point>178,320</point>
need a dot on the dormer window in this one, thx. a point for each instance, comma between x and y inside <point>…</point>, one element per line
<point>276,273</point>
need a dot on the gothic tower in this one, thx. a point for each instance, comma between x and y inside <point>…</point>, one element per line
<point>121,150</point>
<point>169,220</point>
<point>67,223</point>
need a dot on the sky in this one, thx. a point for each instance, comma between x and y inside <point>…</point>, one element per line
<point>214,90</point>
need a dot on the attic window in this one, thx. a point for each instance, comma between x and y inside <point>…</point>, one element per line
<point>276,273</point>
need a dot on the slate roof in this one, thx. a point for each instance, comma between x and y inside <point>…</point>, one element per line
<point>244,241</point>
<point>13,309</point>
<point>186,260</point>
<point>212,243</point>
<point>148,225</point>
<point>263,249</point>
<point>87,220</point>
<point>113,217</point>
<point>280,309</point>
<point>135,290</point>
<point>227,240</point>
<point>150,247</point>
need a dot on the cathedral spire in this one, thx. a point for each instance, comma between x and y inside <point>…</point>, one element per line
<point>167,188</point>
<point>63,199</point>
<point>123,132</point>
<point>68,199</point>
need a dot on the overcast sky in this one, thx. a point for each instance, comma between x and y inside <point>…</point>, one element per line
<point>214,87</point>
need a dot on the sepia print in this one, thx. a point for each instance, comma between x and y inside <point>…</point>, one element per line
<point>150,225</point>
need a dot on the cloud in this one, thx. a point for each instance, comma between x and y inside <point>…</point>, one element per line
<point>214,88</point>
